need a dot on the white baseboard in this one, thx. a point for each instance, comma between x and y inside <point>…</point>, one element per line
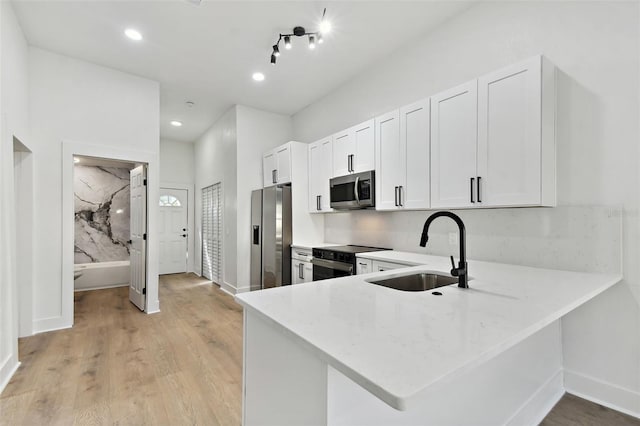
<point>536,408</point>
<point>103,287</point>
<point>153,307</point>
<point>8,369</point>
<point>228,288</point>
<point>50,324</point>
<point>607,394</point>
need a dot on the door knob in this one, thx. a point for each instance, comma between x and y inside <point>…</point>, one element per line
<point>184,235</point>
<point>184,229</point>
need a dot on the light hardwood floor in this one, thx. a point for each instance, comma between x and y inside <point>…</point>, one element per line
<point>181,366</point>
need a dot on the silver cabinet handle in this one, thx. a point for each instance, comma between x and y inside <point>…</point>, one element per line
<point>356,190</point>
<point>273,176</point>
<point>301,271</point>
<point>351,169</point>
<point>318,206</point>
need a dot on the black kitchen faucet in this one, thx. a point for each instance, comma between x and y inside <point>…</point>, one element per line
<point>461,271</point>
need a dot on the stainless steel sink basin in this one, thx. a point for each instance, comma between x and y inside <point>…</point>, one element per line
<point>421,281</point>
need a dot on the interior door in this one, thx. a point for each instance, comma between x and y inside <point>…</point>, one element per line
<point>138,232</point>
<point>454,134</point>
<point>173,225</point>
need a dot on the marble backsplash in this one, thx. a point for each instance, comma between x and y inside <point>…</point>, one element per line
<point>579,238</point>
<point>101,214</point>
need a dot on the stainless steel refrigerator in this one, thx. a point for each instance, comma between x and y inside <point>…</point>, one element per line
<point>270,237</point>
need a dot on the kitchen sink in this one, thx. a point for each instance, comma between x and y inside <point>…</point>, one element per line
<point>421,281</point>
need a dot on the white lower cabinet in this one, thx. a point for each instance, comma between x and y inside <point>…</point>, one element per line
<point>380,266</point>
<point>364,266</point>
<point>301,272</point>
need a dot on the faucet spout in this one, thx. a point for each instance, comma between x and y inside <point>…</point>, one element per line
<point>461,271</point>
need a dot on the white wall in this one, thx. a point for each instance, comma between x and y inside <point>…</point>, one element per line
<point>258,131</point>
<point>595,47</point>
<point>13,121</point>
<point>176,162</point>
<point>216,161</point>
<point>89,105</point>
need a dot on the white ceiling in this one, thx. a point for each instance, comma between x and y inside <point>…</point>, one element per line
<point>207,53</point>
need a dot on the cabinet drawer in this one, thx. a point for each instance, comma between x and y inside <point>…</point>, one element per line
<point>379,266</point>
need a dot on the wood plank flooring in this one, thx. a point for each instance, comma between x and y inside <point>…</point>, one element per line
<point>120,366</point>
<point>182,366</point>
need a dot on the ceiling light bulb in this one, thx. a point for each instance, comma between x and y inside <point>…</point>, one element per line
<point>76,160</point>
<point>133,34</point>
<point>287,42</point>
<point>276,50</point>
<point>258,76</point>
<point>176,123</point>
<point>312,42</point>
<point>273,59</point>
<point>325,26</point>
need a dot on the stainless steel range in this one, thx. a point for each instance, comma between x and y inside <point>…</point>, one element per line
<point>337,261</point>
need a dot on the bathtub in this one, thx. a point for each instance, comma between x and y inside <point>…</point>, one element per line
<point>93,276</point>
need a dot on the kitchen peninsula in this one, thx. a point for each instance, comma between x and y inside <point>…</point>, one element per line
<point>347,351</point>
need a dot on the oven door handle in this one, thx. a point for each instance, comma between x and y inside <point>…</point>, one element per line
<point>332,264</point>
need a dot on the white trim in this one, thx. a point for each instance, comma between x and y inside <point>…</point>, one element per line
<point>7,371</point>
<point>100,287</point>
<point>616,397</point>
<point>152,160</point>
<point>191,217</point>
<point>536,408</point>
<point>228,288</point>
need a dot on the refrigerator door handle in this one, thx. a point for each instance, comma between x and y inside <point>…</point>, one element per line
<point>256,234</point>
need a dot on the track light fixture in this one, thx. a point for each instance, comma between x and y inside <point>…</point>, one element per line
<point>315,37</point>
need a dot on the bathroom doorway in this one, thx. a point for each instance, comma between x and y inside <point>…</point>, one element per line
<point>102,216</point>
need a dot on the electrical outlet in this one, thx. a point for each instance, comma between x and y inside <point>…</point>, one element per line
<point>452,238</point>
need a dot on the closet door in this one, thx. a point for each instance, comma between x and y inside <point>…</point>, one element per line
<point>454,130</point>
<point>509,135</point>
<point>212,232</point>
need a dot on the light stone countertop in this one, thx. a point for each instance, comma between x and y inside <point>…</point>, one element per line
<point>309,246</point>
<point>396,344</point>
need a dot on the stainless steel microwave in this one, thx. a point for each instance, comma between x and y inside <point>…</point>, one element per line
<point>354,191</point>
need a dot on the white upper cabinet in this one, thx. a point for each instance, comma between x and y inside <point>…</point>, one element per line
<point>276,166</point>
<point>353,149</point>
<point>454,130</point>
<point>402,158</point>
<point>320,169</point>
<point>510,138</point>
<point>391,159</point>
<point>493,140</point>
<point>414,134</point>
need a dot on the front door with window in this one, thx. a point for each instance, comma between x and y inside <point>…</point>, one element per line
<point>173,231</point>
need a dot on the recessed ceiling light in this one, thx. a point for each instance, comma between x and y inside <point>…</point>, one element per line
<point>133,34</point>
<point>119,211</point>
<point>176,123</point>
<point>76,160</point>
<point>258,76</point>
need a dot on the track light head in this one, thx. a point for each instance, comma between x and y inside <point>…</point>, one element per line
<point>312,42</point>
<point>319,38</point>
<point>276,50</point>
<point>273,58</point>
<point>287,42</point>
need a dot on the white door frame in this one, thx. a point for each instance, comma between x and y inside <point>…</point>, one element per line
<point>152,160</point>
<point>190,218</point>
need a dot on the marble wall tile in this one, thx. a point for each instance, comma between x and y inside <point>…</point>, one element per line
<point>101,214</point>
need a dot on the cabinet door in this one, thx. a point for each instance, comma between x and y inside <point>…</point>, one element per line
<point>342,149</point>
<point>283,160</point>
<point>390,161</point>
<point>414,136</point>
<point>307,272</point>
<point>269,169</point>
<point>453,146</point>
<point>296,272</point>
<point>364,158</point>
<point>315,176</point>
<point>363,266</point>
<point>380,266</point>
<point>509,135</point>
<point>326,170</point>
